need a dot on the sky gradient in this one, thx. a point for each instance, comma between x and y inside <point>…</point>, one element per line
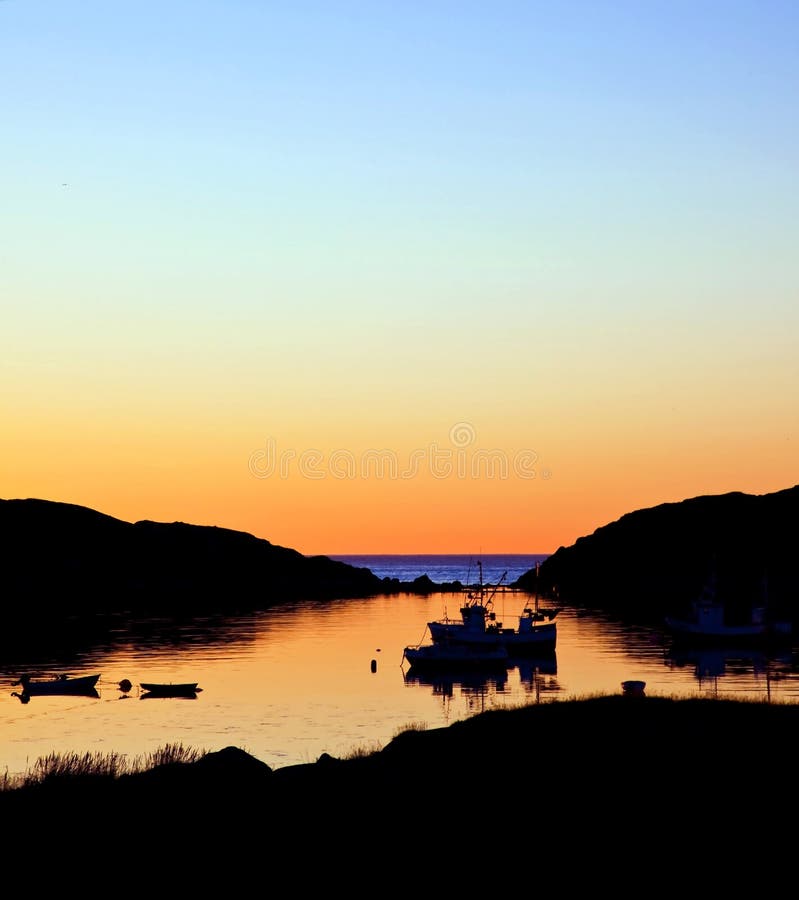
<point>419,277</point>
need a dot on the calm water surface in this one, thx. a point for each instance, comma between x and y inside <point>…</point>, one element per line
<point>298,681</point>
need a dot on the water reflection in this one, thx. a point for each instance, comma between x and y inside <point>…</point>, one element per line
<point>297,681</point>
<point>536,676</point>
<point>711,663</point>
<point>151,695</point>
<point>71,641</point>
<point>468,680</point>
<point>539,676</point>
<point>25,696</point>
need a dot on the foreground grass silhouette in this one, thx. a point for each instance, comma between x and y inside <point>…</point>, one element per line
<point>73,766</point>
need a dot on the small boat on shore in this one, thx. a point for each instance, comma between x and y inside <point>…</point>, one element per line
<point>66,685</point>
<point>154,689</point>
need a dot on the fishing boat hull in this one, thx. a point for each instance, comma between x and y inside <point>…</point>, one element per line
<point>443,657</point>
<point>445,680</point>
<point>687,629</point>
<point>536,639</point>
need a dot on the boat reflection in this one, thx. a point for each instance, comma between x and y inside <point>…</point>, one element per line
<point>160,695</point>
<point>536,675</point>
<point>713,662</point>
<point>444,681</point>
<point>531,667</point>
<point>24,696</point>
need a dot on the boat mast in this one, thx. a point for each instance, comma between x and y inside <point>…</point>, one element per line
<point>477,596</point>
<point>496,587</point>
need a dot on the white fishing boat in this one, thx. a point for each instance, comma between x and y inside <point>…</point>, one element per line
<point>535,631</point>
<point>709,620</point>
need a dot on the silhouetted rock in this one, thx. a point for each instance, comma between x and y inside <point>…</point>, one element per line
<point>654,561</point>
<point>423,585</point>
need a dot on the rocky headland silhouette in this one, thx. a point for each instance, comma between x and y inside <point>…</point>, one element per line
<point>61,558</point>
<point>64,559</point>
<point>655,561</point>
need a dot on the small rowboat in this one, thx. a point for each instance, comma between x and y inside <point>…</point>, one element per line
<point>152,689</point>
<point>83,685</point>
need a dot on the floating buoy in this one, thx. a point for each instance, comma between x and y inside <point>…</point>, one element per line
<point>125,685</point>
<point>374,665</point>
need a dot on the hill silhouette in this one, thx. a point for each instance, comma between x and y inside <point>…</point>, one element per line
<point>59,557</point>
<point>65,559</point>
<point>654,561</point>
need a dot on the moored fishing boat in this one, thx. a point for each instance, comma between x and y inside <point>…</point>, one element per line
<point>535,631</point>
<point>710,621</point>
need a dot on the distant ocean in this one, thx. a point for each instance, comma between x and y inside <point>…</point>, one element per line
<point>448,567</point>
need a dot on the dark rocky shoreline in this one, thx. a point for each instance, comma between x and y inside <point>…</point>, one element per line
<point>642,757</point>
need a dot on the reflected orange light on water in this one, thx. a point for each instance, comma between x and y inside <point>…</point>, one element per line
<point>296,682</point>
